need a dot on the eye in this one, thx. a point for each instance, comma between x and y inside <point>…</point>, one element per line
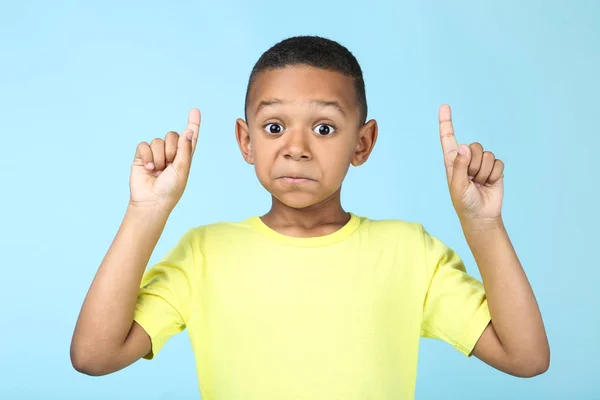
<point>324,129</point>
<point>274,129</point>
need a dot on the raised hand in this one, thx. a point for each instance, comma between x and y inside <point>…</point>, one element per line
<point>160,170</point>
<point>475,177</point>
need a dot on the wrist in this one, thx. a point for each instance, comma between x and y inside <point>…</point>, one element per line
<point>482,224</point>
<point>147,213</point>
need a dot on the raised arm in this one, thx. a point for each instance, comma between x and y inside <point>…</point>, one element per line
<point>106,339</point>
<point>515,341</point>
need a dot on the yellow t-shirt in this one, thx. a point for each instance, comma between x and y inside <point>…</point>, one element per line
<point>333,317</point>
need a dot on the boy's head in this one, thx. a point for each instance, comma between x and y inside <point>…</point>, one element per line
<point>305,120</point>
<point>316,52</point>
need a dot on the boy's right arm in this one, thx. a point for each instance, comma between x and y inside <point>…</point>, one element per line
<point>106,338</point>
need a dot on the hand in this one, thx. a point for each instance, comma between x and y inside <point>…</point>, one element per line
<point>475,177</point>
<point>160,170</point>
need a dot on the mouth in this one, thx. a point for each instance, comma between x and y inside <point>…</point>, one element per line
<point>295,179</point>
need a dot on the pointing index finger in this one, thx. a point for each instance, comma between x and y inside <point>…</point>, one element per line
<point>448,139</point>
<point>194,125</point>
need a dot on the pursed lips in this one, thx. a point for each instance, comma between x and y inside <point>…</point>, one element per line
<point>295,179</point>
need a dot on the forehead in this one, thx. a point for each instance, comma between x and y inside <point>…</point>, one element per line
<point>302,84</point>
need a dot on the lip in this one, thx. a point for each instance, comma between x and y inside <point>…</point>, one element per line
<point>295,179</point>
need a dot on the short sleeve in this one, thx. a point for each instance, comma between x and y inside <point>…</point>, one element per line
<point>455,308</point>
<point>165,295</point>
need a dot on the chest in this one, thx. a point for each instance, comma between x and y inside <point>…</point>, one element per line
<point>328,289</point>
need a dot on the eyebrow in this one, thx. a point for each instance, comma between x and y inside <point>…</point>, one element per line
<point>321,103</point>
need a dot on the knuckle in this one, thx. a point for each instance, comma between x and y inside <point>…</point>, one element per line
<point>171,140</point>
<point>156,142</point>
<point>145,152</point>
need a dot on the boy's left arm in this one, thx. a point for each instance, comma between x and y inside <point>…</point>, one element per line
<point>515,341</point>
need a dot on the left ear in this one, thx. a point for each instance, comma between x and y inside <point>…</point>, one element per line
<point>367,136</point>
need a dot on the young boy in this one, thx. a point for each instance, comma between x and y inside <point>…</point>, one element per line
<point>308,301</point>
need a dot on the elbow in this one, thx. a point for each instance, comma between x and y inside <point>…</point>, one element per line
<point>84,362</point>
<point>83,366</point>
<point>533,367</point>
<point>539,368</point>
<point>532,371</point>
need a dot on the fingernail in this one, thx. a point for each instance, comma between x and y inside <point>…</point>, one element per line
<point>471,177</point>
<point>462,150</point>
<point>150,166</point>
<point>189,135</point>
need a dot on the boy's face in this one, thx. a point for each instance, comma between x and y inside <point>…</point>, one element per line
<point>303,132</point>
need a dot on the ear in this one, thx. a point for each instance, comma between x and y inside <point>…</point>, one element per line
<point>242,135</point>
<point>367,136</point>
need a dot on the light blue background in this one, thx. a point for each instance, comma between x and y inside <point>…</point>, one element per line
<point>82,84</point>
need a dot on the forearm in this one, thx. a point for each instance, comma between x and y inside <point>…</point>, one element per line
<point>516,317</point>
<point>107,312</point>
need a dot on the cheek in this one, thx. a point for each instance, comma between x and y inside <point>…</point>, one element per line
<point>259,154</point>
<point>262,161</point>
<point>337,162</point>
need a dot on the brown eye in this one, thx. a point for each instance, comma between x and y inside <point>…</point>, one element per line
<point>274,129</point>
<point>324,129</point>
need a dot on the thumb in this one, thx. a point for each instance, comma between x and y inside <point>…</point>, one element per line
<point>183,158</point>
<point>460,176</point>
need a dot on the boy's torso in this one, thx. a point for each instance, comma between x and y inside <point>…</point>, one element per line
<point>298,319</point>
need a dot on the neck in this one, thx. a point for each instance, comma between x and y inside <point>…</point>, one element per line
<point>316,220</point>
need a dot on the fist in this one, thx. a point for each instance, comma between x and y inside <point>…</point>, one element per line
<point>475,177</point>
<point>160,169</point>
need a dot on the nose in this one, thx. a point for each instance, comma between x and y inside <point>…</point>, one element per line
<point>297,147</point>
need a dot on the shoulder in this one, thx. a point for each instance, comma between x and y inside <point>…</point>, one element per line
<point>393,227</point>
<point>394,233</point>
<point>221,229</point>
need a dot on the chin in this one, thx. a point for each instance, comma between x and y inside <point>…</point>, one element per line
<point>301,196</point>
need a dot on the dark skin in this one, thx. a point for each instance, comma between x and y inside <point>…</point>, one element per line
<point>299,106</point>
<point>284,139</point>
<point>304,130</point>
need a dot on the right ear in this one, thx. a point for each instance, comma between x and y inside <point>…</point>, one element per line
<point>242,134</point>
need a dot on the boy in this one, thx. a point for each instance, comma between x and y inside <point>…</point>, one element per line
<point>308,301</point>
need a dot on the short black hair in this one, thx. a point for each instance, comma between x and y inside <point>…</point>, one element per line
<point>314,51</point>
